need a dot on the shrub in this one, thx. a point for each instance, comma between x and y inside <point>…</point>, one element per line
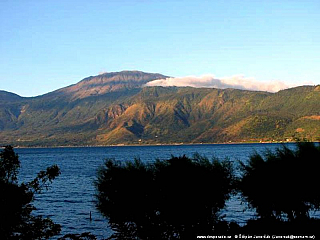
<point>16,218</point>
<point>284,184</point>
<point>173,199</point>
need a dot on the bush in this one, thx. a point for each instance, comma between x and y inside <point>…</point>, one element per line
<point>16,218</point>
<point>283,185</point>
<point>173,199</point>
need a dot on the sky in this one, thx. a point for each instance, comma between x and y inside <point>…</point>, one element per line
<point>46,45</point>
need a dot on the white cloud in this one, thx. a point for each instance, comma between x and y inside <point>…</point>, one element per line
<point>210,81</point>
<point>102,72</point>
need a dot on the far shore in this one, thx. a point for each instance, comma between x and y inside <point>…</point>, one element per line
<point>158,144</point>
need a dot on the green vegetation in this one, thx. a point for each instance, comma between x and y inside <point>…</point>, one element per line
<point>115,108</point>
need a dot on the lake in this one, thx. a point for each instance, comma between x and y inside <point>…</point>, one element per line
<point>70,198</point>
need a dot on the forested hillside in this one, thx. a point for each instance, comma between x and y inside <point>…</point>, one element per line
<point>116,108</point>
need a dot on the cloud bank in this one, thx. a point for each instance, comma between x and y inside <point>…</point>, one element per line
<point>210,81</point>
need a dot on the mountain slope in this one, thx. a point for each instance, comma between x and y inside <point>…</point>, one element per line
<point>192,115</point>
<point>9,97</point>
<point>115,108</point>
<point>106,83</point>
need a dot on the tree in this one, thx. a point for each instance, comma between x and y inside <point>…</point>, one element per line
<point>16,218</point>
<point>172,199</point>
<point>283,185</point>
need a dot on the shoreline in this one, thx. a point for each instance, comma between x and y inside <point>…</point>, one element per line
<point>158,144</point>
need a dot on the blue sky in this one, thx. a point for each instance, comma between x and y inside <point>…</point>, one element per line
<point>46,45</point>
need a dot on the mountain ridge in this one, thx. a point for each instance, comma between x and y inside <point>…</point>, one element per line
<point>8,96</point>
<point>108,82</point>
<point>125,112</point>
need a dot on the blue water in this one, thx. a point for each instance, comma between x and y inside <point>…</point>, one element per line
<point>70,198</point>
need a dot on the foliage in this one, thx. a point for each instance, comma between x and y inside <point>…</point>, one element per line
<point>284,184</point>
<point>171,199</point>
<point>16,218</point>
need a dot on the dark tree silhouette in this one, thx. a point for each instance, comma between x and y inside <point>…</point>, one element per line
<point>174,199</point>
<point>16,218</point>
<point>283,185</point>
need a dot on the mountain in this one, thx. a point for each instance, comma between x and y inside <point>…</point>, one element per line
<point>116,108</point>
<point>9,97</point>
<point>106,83</point>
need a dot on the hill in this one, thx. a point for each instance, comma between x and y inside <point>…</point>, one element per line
<point>8,96</point>
<point>115,108</point>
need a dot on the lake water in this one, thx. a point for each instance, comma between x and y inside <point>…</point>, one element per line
<point>70,198</point>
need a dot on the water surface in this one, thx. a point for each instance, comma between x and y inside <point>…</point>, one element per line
<point>70,199</point>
